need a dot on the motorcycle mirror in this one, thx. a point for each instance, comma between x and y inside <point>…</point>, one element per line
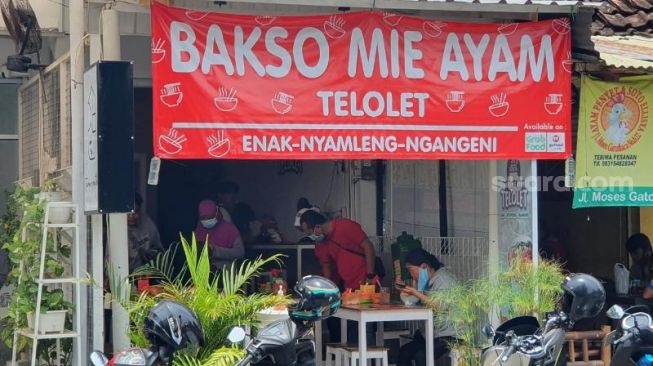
<point>615,312</point>
<point>236,335</point>
<point>488,331</point>
<point>98,358</point>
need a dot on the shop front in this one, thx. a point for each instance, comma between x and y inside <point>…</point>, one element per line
<point>399,123</point>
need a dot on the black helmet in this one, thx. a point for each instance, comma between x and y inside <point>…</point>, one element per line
<point>171,326</point>
<point>584,296</point>
<point>319,298</point>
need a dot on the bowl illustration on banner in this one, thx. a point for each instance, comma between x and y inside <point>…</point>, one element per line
<point>433,29</point>
<point>562,25</point>
<point>568,63</point>
<point>158,52</point>
<point>282,103</point>
<point>219,145</point>
<point>455,101</point>
<point>553,103</point>
<point>171,94</point>
<point>392,19</point>
<point>499,106</point>
<point>196,15</point>
<point>265,20</point>
<point>226,100</point>
<point>172,142</point>
<point>333,27</point>
<point>508,28</point>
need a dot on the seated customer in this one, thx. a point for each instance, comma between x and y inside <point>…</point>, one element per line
<point>430,276</point>
<point>223,238</point>
<point>639,248</point>
<point>143,237</point>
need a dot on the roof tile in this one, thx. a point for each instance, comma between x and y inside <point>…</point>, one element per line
<point>624,17</point>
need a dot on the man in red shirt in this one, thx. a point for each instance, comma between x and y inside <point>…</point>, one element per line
<point>341,246</point>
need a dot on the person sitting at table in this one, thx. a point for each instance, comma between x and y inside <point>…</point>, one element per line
<point>144,242</point>
<point>223,238</point>
<point>639,248</point>
<point>429,275</point>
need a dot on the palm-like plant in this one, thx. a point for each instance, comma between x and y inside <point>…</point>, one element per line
<point>218,299</point>
<point>521,289</point>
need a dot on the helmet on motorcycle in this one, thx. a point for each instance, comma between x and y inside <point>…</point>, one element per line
<point>171,326</point>
<point>319,298</point>
<point>584,296</point>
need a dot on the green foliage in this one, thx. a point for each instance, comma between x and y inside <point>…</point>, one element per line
<point>21,237</point>
<point>520,282</point>
<point>513,293</point>
<point>218,299</point>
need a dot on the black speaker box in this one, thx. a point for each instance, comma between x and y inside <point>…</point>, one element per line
<point>109,137</point>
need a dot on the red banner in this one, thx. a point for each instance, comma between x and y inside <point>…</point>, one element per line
<point>357,86</point>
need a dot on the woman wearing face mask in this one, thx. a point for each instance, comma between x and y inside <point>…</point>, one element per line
<point>223,238</point>
<point>429,275</point>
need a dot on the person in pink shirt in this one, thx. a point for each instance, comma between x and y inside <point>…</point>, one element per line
<point>223,238</point>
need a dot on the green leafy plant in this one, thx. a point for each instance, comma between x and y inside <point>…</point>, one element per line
<point>218,299</point>
<point>21,237</point>
<point>513,293</point>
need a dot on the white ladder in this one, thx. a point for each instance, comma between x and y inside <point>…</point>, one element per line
<point>74,333</point>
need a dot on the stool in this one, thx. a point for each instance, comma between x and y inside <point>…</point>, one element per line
<point>334,353</point>
<point>351,355</point>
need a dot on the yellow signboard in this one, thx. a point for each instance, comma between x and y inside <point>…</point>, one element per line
<point>614,164</point>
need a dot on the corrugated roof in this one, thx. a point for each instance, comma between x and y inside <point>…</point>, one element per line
<point>633,53</point>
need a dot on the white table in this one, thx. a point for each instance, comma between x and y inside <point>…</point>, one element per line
<point>364,314</point>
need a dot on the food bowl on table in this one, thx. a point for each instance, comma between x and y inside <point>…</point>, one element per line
<point>409,300</point>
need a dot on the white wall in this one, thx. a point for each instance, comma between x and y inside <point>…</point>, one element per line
<point>412,203</point>
<point>132,49</point>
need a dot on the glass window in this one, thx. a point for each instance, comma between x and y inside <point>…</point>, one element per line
<point>9,108</point>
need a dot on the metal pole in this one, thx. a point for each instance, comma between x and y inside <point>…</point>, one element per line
<point>493,232</point>
<point>97,244</point>
<point>77,21</point>
<point>534,214</point>
<point>118,251</point>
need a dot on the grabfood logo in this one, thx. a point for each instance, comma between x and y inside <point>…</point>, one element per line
<point>535,142</point>
<point>619,118</point>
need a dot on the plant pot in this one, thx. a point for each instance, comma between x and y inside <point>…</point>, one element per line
<point>19,363</point>
<point>52,321</point>
<point>58,215</point>
<point>270,315</point>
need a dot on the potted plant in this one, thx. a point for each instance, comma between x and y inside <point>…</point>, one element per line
<point>218,299</point>
<point>52,192</point>
<point>512,294</point>
<point>23,245</point>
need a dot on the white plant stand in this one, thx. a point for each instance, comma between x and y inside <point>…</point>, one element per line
<point>72,227</point>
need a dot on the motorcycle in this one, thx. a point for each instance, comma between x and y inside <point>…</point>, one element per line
<point>521,342</point>
<point>634,337</point>
<point>281,343</point>
<point>131,357</point>
<point>171,326</point>
<point>288,342</point>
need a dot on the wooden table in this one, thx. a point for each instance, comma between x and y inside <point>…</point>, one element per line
<point>364,314</point>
